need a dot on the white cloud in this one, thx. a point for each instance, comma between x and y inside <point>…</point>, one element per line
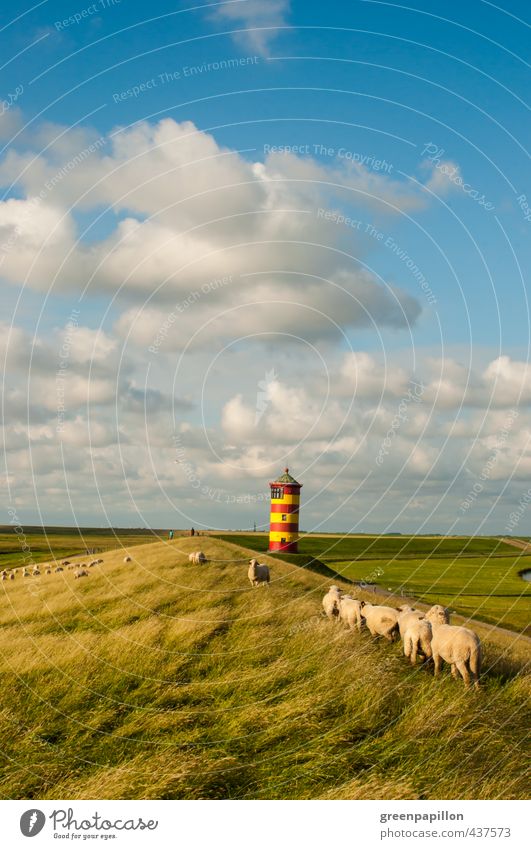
<point>259,19</point>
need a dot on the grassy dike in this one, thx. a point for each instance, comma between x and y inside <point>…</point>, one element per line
<point>158,679</point>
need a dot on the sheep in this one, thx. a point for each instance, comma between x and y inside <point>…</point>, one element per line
<point>439,614</point>
<point>417,638</point>
<point>331,601</point>
<point>48,571</point>
<point>4,577</point>
<point>127,559</point>
<point>458,646</point>
<point>35,573</point>
<point>197,558</point>
<point>407,616</point>
<point>258,573</point>
<point>100,560</point>
<point>93,563</point>
<point>26,574</point>
<point>65,562</point>
<point>59,569</point>
<point>12,576</point>
<point>81,573</point>
<point>350,612</point>
<point>381,621</point>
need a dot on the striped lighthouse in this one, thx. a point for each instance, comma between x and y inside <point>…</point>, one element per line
<point>284,521</point>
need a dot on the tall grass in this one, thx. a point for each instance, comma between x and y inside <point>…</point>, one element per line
<point>165,680</point>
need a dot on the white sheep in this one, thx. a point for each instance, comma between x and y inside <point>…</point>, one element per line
<point>59,569</point>
<point>417,639</point>
<point>258,573</point>
<point>197,558</point>
<point>350,612</point>
<point>381,620</point>
<point>127,559</point>
<point>26,574</point>
<point>48,571</point>
<point>458,646</point>
<point>65,562</point>
<point>81,573</point>
<point>4,577</point>
<point>12,576</point>
<point>407,616</point>
<point>331,602</point>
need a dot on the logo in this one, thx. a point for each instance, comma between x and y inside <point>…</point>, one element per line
<point>32,822</point>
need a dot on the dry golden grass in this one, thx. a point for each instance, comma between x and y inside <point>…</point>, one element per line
<point>158,679</point>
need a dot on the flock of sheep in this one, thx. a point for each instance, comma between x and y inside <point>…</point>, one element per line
<point>79,569</point>
<point>428,634</point>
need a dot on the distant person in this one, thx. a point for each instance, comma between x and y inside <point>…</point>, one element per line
<point>192,532</point>
<point>171,535</point>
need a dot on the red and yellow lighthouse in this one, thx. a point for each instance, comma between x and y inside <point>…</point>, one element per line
<point>284,522</point>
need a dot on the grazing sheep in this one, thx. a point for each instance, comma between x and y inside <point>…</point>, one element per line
<point>458,646</point>
<point>331,602</point>
<point>81,573</point>
<point>100,560</point>
<point>417,639</point>
<point>35,573</point>
<point>350,612</point>
<point>381,621</point>
<point>48,571</point>
<point>127,559</point>
<point>26,574</point>
<point>12,576</point>
<point>197,558</point>
<point>93,563</point>
<point>406,617</point>
<point>65,562</point>
<point>59,569</point>
<point>4,577</point>
<point>258,573</point>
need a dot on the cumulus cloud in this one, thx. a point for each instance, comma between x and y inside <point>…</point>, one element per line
<point>260,21</point>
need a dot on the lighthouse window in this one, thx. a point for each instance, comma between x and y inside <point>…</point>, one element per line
<point>284,517</point>
<point>276,492</point>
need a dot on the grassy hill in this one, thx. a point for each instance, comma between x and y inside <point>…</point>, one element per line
<point>158,679</point>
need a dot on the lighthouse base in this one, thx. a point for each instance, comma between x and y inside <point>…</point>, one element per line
<point>284,547</point>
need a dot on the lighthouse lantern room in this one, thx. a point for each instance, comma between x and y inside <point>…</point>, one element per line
<point>284,521</point>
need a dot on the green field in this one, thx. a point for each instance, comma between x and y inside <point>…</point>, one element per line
<point>161,680</point>
<point>37,544</point>
<point>328,547</point>
<point>476,576</point>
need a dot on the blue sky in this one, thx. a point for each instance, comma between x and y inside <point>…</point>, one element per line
<point>407,127</point>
